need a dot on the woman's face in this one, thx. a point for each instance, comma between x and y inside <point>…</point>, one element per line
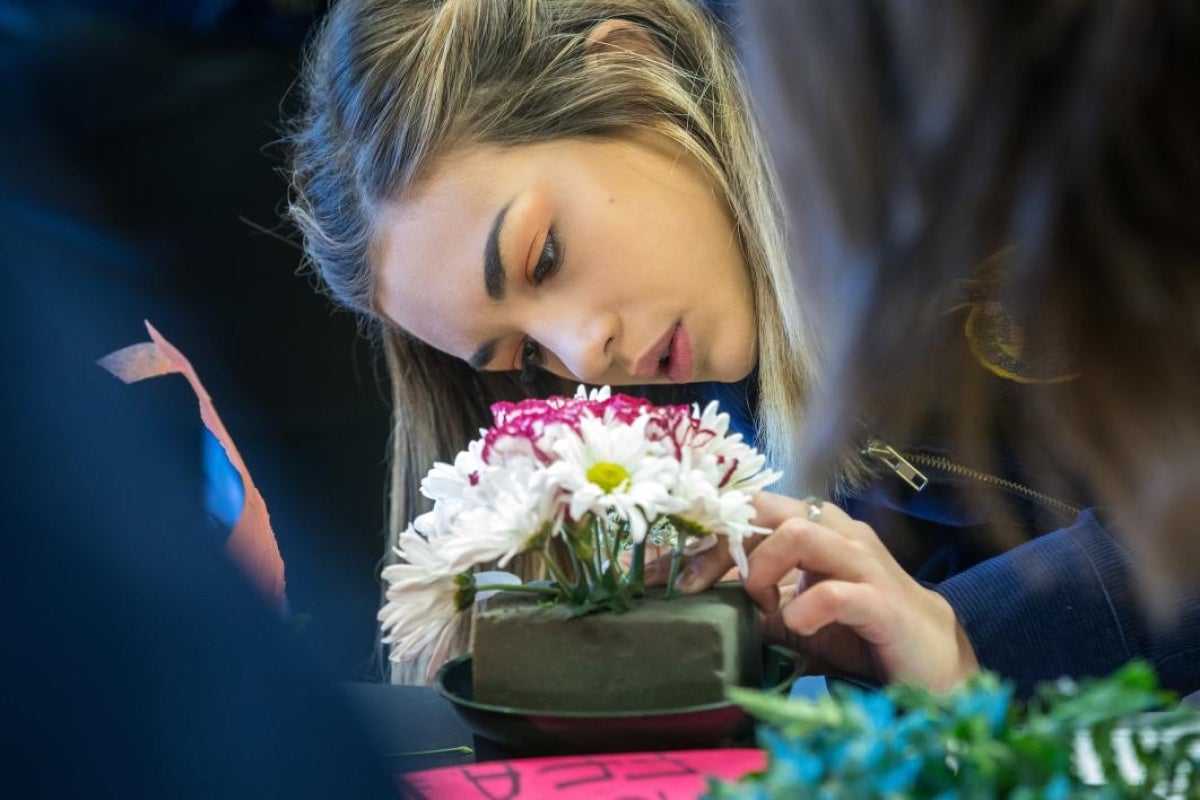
<point>608,262</point>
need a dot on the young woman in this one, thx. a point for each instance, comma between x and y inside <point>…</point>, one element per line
<point>520,192</point>
<point>575,190</point>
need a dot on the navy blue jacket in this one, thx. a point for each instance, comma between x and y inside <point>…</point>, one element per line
<point>1048,593</point>
<point>1064,602</point>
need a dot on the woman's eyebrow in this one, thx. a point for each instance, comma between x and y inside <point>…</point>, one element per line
<point>493,283</point>
<point>493,267</point>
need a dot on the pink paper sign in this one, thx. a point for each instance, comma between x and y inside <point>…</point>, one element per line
<point>676,775</point>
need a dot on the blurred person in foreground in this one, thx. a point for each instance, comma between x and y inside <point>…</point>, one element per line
<point>139,661</point>
<point>136,164</point>
<point>995,215</point>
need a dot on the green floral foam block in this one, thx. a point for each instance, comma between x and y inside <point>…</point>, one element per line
<point>661,654</point>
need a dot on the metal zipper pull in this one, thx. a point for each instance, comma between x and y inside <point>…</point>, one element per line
<point>897,464</point>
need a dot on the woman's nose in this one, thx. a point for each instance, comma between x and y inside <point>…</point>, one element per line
<point>585,343</point>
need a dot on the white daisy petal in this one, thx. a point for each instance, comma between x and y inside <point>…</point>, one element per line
<point>420,599</point>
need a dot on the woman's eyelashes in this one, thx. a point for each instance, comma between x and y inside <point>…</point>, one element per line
<point>550,259</point>
<point>532,359</point>
<point>548,263</point>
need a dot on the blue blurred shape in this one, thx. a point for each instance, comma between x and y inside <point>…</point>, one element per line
<point>224,493</point>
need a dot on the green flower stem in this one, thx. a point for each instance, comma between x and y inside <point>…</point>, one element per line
<point>598,550</point>
<point>611,539</point>
<point>520,587</point>
<point>586,577</point>
<point>676,564</point>
<point>569,588</point>
<point>576,564</point>
<point>570,535</point>
<point>587,564</point>
<point>635,579</point>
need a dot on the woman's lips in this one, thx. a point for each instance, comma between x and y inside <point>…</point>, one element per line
<point>651,363</point>
<point>678,365</point>
<point>670,357</point>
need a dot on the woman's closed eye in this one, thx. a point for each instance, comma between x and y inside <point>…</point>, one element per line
<point>549,261</point>
<point>533,357</point>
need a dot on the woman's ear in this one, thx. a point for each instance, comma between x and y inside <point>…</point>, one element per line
<point>622,35</point>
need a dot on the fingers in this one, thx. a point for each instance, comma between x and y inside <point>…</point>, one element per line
<point>813,548</point>
<point>653,555</point>
<point>772,510</point>
<point>699,571</point>
<point>856,609</point>
<point>855,605</point>
<point>657,570</point>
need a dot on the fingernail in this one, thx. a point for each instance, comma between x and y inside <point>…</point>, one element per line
<point>689,582</point>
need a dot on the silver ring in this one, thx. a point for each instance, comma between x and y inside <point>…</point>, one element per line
<point>814,508</point>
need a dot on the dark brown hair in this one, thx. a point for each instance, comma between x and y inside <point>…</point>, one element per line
<point>916,139</point>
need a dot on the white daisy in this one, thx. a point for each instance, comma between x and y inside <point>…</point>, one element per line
<point>449,486</point>
<point>450,481</point>
<point>421,611</point>
<point>511,510</point>
<point>612,466</point>
<point>731,463</point>
<point>709,512</point>
<point>717,479</point>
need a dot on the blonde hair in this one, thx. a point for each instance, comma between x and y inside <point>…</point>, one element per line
<point>392,85</point>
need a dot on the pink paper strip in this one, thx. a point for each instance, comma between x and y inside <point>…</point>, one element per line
<point>675,775</point>
<point>251,543</point>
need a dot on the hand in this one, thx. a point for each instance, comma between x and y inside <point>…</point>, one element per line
<point>854,610</point>
<point>699,570</point>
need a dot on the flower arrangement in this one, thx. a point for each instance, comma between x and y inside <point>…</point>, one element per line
<point>595,478</point>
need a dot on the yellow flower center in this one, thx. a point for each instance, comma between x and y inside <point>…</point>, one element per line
<point>607,475</point>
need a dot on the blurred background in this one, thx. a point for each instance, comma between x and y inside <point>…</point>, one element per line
<point>140,178</point>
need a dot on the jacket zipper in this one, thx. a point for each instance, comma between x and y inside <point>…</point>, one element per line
<point>904,466</point>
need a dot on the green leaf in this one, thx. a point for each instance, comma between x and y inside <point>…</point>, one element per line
<point>970,743</point>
